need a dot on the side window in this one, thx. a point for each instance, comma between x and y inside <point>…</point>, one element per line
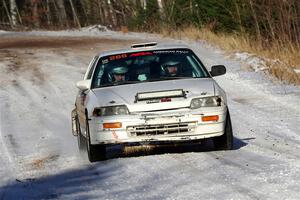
<point>92,65</point>
<point>197,70</point>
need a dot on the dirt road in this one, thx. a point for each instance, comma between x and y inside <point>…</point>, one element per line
<point>39,157</point>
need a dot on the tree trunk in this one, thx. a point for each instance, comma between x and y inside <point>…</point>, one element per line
<point>75,17</point>
<point>144,4</point>
<point>101,14</point>
<point>161,10</point>
<point>119,9</point>
<point>270,20</point>
<point>48,13</point>
<point>7,13</point>
<point>62,13</point>
<point>239,18</point>
<point>106,12</point>
<point>86,8</point>
<point>112,13</point>
<point>19,16</point>
<point>35,14</point>
<point>258,34</point>
<point>13,12</point>
<point>296,25</point>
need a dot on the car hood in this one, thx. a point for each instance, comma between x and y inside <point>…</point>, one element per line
<point>126,94</point>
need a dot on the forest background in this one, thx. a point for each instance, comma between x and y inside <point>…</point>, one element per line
<point>269,29</point>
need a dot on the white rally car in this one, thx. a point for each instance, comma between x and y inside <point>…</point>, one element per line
<point>149,93</point>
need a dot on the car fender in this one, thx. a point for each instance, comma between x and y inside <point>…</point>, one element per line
<point>220,92</point>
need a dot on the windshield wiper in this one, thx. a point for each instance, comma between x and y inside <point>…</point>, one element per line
<point>119,83</point>
<point>125,82</point>
<point>167,78</point>
<point>175,77</point>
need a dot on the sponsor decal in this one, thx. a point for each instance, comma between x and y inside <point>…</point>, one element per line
<point>115,134</point>
<point>117,57</point>
<point>159,100</point>
<point>170,52</point>
<point>152,101</point>
<point>105,61</point>
<point>141,54</point>
<point>165,100</point>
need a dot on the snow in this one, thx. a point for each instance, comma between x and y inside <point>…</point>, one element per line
<point>256,63</point>
<point>90,31</point>
<point>260,64</point>
<point>94,28</point>
<point>39,157</point>
<point>297,70</point>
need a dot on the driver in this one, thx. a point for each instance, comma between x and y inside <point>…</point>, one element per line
<point>119,73</point>
<point>171,68</point>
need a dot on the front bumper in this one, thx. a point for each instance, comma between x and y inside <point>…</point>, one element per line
<point>179,125</point>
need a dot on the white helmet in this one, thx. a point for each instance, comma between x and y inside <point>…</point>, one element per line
<point>171,63</point>
<point>120,70</point>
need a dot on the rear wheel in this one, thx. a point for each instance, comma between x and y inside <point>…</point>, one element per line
<point>95,152</point>
<point>225,141</point>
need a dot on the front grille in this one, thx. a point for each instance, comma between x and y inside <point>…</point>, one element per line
<point>161,129</point>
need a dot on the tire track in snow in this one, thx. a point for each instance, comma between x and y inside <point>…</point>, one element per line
<point>221,176</point>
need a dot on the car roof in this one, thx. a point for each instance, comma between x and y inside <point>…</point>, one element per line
<point>152,46</point>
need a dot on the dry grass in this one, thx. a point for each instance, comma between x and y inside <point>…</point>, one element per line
<point>286,57</point>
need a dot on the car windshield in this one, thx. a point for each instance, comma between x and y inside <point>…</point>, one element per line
<point>147,66</point>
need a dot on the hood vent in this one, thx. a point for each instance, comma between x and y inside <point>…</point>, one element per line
<point>143,45</point>
<point>143,96</point>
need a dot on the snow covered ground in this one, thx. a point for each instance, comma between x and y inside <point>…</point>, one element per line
<point>39,158</point>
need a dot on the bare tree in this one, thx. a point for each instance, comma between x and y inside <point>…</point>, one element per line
<point>62,12</point>
<point>161,9</point>
<point>75,17</point>
<point>101,12</point>
<point>7,13</point>
<point>106,12</point>
<point>112,13</point>
<point>258,34</point>
<point>239,17</point>
<point>13,12</point>
<point>48,13</point>
<point>144,4</point>
<point>35,14</point>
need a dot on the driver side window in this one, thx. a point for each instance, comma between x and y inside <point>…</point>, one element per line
<point>91,68</point>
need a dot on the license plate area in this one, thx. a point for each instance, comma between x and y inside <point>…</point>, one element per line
<point>162,128</point>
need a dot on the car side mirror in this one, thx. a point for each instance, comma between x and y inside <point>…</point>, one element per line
<point>84,84</point>
<point>217,70</point>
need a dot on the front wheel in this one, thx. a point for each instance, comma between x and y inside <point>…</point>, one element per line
<point>80,138</point>
<point>225,141</point>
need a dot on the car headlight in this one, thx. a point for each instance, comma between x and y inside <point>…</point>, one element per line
<point>206,102</point>
<point>111,110</point>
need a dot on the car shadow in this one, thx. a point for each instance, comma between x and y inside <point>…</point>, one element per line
<point>240,143</point>
<point>205,145</point>
<point>89,181</point>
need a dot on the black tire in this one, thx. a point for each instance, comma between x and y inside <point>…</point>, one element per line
<point>80,138</point>
<point>225,141</point>
<point>95,152</point>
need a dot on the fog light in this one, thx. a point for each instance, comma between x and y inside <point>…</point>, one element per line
<point>112,125</point>
<point>210,118</point>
